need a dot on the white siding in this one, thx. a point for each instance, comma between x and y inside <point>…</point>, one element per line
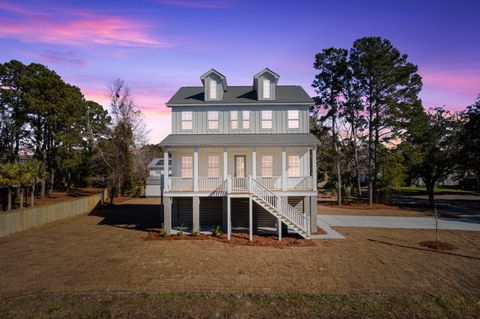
<point>279,119</point>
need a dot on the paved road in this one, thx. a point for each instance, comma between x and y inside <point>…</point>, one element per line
<point>398,222</point>
<point>451,206</point>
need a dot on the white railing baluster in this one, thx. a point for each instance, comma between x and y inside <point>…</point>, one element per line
<point>282,207</point>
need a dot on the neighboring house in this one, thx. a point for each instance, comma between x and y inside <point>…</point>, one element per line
<point>242,157</point>
<point>155,169</point>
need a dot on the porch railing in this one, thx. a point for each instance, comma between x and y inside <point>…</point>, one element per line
<point>180,183</point>
<point>211,184</point>
<point>300,183</point>
<point>272,182</point>
<point>239,184</point>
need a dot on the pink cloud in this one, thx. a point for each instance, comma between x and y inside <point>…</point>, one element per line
<point>76,28</point>
<point>453,80</point>
<point>206,4</point>
<point>156,116</point>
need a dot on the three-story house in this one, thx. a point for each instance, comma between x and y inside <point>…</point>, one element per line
<point>242,157</point>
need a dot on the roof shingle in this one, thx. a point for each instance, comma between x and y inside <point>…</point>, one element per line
<point>194,95</point>
<point>187,140</point>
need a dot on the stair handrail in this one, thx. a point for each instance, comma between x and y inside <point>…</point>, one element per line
<point>293,215</point>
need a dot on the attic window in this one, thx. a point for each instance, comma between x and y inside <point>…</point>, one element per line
<point>213,89</point>
<point>266,88</point>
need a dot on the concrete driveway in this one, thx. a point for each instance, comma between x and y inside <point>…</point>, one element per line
<point>398,222</point>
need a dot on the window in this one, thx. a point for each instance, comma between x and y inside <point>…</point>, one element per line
<point>213,120</point>
<point>246,119</point>
<point>293,121</point>
<point>293,165</point>
<point>186,120</point>
<point>266,88</point>
<point>234,120</point>
<point>213,166</point>
<point>267,119</point>
<point>267,165</point>
<point>213,89</point>
<point>187,166</point>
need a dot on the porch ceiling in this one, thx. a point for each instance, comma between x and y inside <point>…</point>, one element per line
<point>189,140</point>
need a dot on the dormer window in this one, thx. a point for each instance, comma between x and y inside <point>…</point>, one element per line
<point>212,89</point>
<point>214,84</point>
<point>266,88</point>
<point>265,83</point>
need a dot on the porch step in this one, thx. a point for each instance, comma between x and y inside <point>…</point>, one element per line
<point>272,210</point>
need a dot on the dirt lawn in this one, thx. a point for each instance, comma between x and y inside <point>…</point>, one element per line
<point>106,251</point>
<point>330,208</point>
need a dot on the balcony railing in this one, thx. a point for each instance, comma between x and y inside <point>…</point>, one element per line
<point>181,184</point>
<point>211,184</point>
<point>239,184</point>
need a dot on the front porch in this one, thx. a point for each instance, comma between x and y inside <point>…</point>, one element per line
<point>238,185</point>
<point>228,169</point>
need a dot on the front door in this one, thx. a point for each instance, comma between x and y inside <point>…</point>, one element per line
<point>240,165</point>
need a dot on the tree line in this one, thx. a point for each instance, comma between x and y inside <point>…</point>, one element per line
<point>52,137</point>
<point>369,117</point>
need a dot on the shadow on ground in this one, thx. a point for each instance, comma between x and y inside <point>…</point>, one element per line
<point>139,217</point>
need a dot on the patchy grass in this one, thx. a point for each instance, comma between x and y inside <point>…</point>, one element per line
<point>197,305</point>
<point>412,190</point>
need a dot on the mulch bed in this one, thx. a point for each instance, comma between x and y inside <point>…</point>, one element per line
<point>319,232</point>
<point>438,245</point>
<point>241,239</point>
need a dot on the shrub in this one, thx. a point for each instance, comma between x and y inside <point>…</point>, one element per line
<point>195,233</point>
<point>217,231</point>
<point>179,230</point>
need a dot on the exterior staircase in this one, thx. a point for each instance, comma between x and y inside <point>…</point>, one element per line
<point>275,205</point>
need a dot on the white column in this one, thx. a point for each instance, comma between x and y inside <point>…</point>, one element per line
<point>254,162</point>
<point>195,169</point>
<point>229,218</point>
<point>165,168</point>
<point>250,218</point>
<point>284,169</point>
<point>225,163</point>
<point>225,169</point>
<point>279,228</point>
<point>314,167</point>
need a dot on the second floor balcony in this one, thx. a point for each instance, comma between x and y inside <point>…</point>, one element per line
<point>231,184</point>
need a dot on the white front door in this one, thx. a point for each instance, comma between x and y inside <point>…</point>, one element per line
<point>240,165</point>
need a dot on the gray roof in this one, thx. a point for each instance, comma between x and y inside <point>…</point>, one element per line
<point>239,139</point>
<point>285,94</point>
<point>157,163</point>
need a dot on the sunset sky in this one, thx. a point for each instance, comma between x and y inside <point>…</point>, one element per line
<point>159,45</point>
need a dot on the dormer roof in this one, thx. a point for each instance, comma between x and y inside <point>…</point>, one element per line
<point>259,74</point>
<point>220,75</point>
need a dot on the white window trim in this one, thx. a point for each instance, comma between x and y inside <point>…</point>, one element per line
<point>215,169</point>
<point>246,120</point>
<point>234,120</point>
<point>266,119</point>
<point>289,171</point>
<point>263,167</point>
<point>266,88</point>
<point>212,88</point>
<point>214,119</point>
<point>184,169</point>
<point>187,121</point>
<point>293,119</point>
